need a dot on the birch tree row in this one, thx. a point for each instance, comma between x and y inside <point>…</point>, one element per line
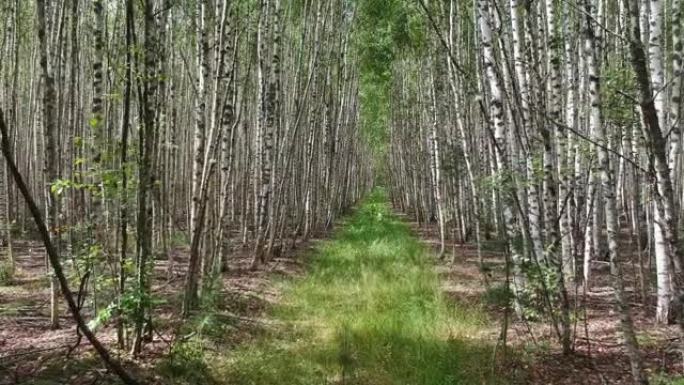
<point>555,127</point>
<point>145,125</point>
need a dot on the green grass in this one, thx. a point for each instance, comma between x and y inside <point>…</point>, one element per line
<point>369,311</point>
<point>664,379</point>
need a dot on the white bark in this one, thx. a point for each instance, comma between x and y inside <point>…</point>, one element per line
<point>608,187</point>
<point>662,254</point>
<point>497,114</point>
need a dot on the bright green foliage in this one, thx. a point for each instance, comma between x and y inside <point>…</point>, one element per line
<point>369,311</point>
<point>618,82</point>
<point>535,298</point>
<point>386,31</point>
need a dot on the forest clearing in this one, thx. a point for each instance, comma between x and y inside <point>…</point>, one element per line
<point>418,192</point>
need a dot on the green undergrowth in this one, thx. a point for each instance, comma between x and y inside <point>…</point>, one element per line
<point>369,311</point>
<point>664,379</point>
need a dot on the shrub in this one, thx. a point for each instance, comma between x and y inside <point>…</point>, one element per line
<point>499,296</point>
<point>186,364</point>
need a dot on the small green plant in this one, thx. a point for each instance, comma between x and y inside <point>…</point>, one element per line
<point>541,291</point>
<point>187,364</point>
<point>179,238</point>
<point>537,348</point>
<point>665,379</point>
<point>211,298</point>
<point>500,296</point>
<point>6,273</point>
<point>647,340</point>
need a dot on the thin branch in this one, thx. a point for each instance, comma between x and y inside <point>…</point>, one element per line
<point>595,143</point>
<point>53,257</point>
<point>435,27</point>
<point>601,26</point>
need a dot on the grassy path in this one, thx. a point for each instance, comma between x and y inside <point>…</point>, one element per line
<point>368,312</point>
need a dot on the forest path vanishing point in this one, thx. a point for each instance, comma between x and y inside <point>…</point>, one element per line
<point>368,311</point>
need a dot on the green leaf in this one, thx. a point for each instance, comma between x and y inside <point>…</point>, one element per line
<point>102,317</point>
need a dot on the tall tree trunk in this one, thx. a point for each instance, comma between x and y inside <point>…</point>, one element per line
<point>497,115</point>
<point>51,171</point>
<point>146,139</point>
<point>595,121</point>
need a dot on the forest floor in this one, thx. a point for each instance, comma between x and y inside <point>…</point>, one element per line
<point>598,356</point>
<point>32,353</point>
<point>364,307</point>
<point>370,306</point>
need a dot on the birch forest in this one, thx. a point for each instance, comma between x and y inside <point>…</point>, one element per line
<point>342,192</point>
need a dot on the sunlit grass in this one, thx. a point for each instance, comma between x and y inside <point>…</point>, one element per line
<point>369,311</point>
